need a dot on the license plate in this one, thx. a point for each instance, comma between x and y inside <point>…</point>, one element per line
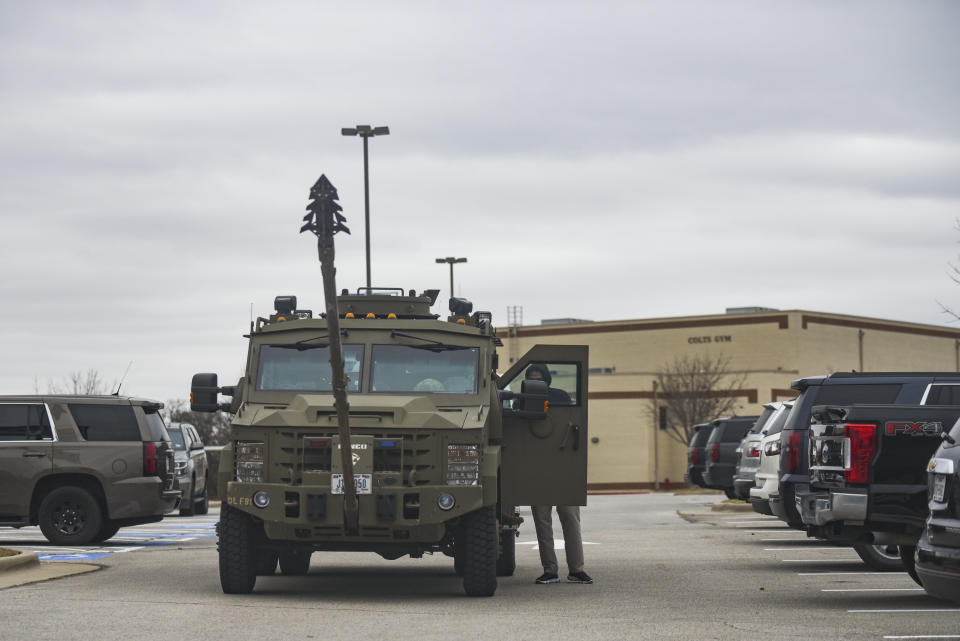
<point>363,483</point>
<point>939,487</point>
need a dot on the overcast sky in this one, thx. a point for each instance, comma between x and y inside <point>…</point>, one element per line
<point>595,160</point>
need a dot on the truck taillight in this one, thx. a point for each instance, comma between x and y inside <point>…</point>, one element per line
<point>753,451</point>
<point>150,462</point>
<point>862,440</point>
<point>694,456</point>
<point>715,452</point>
<point>794,452</point>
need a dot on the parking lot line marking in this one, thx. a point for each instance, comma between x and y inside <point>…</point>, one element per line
<point>872,590</point>
<point>809,547</point>
<point>842,560</point>
<point>839,573</point>
<point>905,610</point>
<point>923,636</point>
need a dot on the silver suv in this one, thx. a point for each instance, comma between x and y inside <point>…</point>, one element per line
<point>190,460</point>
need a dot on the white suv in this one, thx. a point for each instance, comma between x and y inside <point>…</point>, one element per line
<point>767,482</point>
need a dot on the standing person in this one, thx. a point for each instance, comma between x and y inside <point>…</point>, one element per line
<point>569,514</point>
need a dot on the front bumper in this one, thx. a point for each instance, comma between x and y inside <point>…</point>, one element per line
<point>938,567</point>
<point>822,507</point>
<point>313,513</point>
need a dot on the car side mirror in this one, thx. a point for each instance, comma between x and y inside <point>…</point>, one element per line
<point>203,393</point>
<point>196,445</point>
<point>531,402</point>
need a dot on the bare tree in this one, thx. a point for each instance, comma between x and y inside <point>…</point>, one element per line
<point>954,274</point>
<point>213,427</point>
<point>78,382</point>
<point>695,389</point>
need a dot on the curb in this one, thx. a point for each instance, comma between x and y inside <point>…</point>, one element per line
<point>19,560</point>
<point>732,507</point>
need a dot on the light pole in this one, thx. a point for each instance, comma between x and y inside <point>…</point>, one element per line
<point>365,132</point>
<point>451,260</point>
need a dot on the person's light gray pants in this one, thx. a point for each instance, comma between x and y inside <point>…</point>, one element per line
<point>573,544</point>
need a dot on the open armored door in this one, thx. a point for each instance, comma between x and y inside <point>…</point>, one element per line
<point>544,460</point>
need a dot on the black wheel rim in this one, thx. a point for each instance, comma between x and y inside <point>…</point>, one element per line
<point>69,518</point>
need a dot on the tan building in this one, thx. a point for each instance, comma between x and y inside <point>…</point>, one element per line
<point>772,348</point>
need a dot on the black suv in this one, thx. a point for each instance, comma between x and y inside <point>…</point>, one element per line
<point>844,388</point>
<point>696,460</point>
<point>721,452</point>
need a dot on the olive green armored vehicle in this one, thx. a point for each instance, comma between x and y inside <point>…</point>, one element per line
<point>379,427</point>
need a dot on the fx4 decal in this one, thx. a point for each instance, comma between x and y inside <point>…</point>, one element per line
<point>914,428</point>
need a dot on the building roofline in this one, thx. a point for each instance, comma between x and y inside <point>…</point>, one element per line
<point>781,318</point>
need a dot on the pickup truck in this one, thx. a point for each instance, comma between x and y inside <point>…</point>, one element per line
<point>868,473</point>
<point>840,389</point>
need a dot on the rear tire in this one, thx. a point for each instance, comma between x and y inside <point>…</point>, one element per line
<point>909,559</point>
<point>885,558</point>
<point>507,562</point>
<point>237,547</point>
<point>295,562</point>
<point>730,492</point>
<point>107,531</point>
<point>70,516</point>
<point>480,552</point>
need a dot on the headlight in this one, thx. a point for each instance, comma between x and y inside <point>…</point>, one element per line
<point>248,462</point>
<point>463,464</point>
<point>180,468</point>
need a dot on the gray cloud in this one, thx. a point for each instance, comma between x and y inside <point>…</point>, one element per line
<point>595,160</point>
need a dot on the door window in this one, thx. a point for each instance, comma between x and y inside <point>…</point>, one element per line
<point>105,422</point>
<point>562,379</point>
<point>943,395</point>
<point>24,422</point>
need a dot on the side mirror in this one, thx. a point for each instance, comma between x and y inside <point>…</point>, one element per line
<point>531,402</point>
<point>203,393</point>
<point>196,445</point>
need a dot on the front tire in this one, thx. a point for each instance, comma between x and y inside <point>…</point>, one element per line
<point>295,562</point>
<point>203,505</point>
<point>884,558</point>
<point>237,547</point>
<point>480,552</point>
<point>909,559</point>
<point>70,516</point>
<point>187,503</point>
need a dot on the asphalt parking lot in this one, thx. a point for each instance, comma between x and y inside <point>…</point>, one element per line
<point>666,567</point>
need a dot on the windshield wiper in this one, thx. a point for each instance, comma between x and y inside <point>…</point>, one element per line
<point>433,346</point>
<point>303,344</point>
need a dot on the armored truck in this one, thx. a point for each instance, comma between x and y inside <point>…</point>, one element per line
<point>442,448</point>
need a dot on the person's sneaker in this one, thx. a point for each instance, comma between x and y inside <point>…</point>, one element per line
<point>546,577</point>
<point>578,577</point>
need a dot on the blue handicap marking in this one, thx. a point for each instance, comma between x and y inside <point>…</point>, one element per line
<point>73,557</point>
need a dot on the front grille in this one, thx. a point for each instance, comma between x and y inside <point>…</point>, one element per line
<point>408,454</point>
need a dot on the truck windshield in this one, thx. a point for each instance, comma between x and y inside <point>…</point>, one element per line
<point>284,369</point>
<point>403,368</point>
